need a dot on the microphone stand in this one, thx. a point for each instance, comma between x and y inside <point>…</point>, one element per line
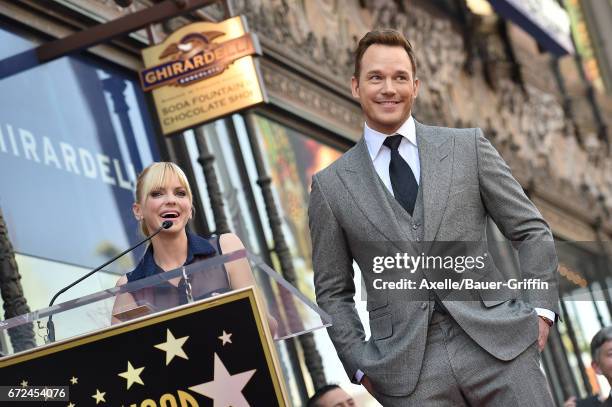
<point>50,325</point>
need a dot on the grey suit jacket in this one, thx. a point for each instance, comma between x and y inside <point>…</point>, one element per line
<point>463,180</point>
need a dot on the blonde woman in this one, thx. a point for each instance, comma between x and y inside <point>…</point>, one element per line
<point>163,193</point>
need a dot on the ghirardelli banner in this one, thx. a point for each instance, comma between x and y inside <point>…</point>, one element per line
<point>201,72</point>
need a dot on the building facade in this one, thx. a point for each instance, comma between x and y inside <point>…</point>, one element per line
<point>548,117</point>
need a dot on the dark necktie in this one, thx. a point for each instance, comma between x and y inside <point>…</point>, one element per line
<point>405,187</point>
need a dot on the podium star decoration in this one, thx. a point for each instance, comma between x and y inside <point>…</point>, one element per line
<point>74,380</point>
<point>225,338</point>
<point>71,405</point>
<point>99,396</point>
<point>173,347</point>
<point>24,383</point>
<point>132,375</point>
<point>225,389</point>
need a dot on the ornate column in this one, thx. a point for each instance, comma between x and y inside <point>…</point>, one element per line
<point>207,160</point>
<point>290,344</point>
<point>22,337</point>
<point>561,365</point>
<point>311,355</point>
<point>570,332</point>
<point>116,86</point>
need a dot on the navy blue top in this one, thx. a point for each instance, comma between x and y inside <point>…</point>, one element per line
<point>204,283</point>
<point>197,248</point>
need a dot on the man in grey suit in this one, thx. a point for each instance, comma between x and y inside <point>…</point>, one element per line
<point>409,188</point>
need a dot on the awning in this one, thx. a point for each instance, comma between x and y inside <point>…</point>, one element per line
<point>545,20</point>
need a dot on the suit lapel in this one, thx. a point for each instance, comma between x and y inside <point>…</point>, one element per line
<point>435,155</point>
<point>360,178</point>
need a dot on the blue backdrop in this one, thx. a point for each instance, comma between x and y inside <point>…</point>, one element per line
<point>73,136</point>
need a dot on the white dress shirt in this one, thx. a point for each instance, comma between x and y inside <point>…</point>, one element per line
<point>408,150</point>
<point>381,155</point>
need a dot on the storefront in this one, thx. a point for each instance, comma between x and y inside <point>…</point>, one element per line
<point>75,132</point>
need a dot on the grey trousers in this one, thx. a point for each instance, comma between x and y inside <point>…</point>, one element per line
<point>456,372</point>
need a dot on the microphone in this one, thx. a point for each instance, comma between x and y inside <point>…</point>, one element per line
<point>167,224</point>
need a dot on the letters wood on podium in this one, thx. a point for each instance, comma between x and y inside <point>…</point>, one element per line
<point>213,352</point>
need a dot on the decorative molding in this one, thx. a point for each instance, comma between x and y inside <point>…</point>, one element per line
<point>321,32</point>
<point>308,63</point>
<point>563,224</point>
<point>526,121</point>
<point>294,93</point>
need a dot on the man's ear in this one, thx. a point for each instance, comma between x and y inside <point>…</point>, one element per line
<point>595,367</point>
<point>417,84</point>
<point>355,87</point>
<point>137,210</point>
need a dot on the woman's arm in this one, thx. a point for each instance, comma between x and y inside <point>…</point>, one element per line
<point>239,271</point>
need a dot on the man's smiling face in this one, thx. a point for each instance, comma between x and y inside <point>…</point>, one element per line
<point>386,87</point>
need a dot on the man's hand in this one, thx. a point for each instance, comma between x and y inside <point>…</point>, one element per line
<point>543,334</point>
<point>365,381</point>
<point>570,402</point>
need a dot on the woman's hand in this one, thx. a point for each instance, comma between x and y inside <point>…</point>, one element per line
<point>273,324</point>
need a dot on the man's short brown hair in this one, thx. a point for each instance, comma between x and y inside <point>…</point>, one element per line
<point>388,37</point>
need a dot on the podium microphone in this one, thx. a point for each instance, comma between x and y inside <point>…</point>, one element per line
<point>50,326</point>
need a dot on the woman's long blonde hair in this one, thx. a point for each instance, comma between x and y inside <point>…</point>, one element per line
<point>155,176</point>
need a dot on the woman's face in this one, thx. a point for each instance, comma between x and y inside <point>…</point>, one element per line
<point>168,202</point>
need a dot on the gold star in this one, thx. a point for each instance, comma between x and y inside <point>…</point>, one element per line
<point>24,383</point>
<point>71,405</point>
<point>225,338</point>
<point>99,396</point>
<point>74,380</point>
<point>132,375</point>
<point>173,346</point>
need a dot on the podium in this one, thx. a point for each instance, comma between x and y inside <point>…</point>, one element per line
<point>181,338</point>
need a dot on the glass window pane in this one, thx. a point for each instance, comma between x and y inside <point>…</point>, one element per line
<point>41,279</point>
<point>291,159</point>
<point>72,139</point>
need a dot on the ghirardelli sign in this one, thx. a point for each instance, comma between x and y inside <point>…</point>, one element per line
<point>201,72</point>
<point>194,58</point>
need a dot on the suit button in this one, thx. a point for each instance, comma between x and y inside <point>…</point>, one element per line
<point>424,305</point>
<point>418,239</point>
<point>415,226</point>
